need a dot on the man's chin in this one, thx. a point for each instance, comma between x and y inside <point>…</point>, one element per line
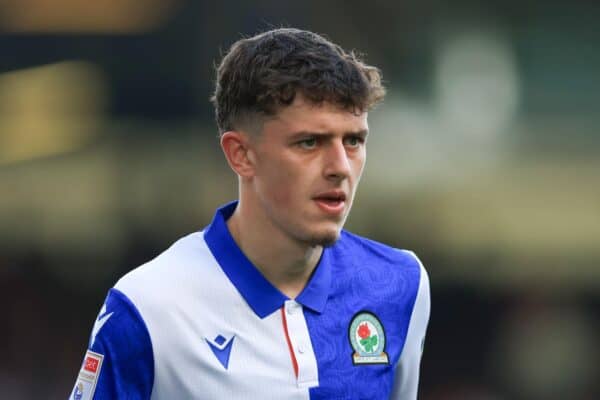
<point>326,239</point>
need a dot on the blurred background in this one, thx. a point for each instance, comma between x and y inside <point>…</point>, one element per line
<point>484,159</point>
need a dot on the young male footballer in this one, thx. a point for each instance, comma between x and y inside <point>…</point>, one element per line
<point>273,300</point>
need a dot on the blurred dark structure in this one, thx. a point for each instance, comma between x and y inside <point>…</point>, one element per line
<point>484,160</point>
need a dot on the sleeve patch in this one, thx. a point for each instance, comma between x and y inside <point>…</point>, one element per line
<point>88,376</point>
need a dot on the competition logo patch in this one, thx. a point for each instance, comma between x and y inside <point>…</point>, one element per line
<point>88,376</point>
<point>91,363</point>
<point>78,392</point>
<point>367,338</point>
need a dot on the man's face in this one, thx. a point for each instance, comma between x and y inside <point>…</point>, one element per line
<point>309,159</point>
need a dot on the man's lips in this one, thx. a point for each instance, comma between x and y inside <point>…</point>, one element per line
<point>331,202</point>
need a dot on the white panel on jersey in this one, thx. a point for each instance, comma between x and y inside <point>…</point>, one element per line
<point>308,374</point>
<point>194,313</point>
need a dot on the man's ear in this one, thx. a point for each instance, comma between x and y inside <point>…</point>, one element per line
<point>236,146</point>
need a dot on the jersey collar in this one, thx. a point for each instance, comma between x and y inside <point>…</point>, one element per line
<point>259,293</point>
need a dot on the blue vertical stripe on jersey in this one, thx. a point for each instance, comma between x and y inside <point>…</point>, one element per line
<point>364,282</point>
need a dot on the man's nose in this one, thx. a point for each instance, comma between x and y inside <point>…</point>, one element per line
<point>337,163</point>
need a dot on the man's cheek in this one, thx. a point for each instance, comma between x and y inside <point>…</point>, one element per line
<point>283,194</point>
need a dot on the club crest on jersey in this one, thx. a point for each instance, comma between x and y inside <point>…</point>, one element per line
<point>367,338</point>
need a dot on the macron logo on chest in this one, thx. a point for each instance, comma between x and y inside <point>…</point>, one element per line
<point>221,348</point>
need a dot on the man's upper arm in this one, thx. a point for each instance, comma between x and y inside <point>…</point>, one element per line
<point>406,380</point>
<point>119,362</point>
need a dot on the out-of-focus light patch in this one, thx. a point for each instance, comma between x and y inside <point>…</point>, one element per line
<point>49,110</point>
<point>477,84</point>
<point>98,16</point>
<point>543,349</point>
<point>405,143</point>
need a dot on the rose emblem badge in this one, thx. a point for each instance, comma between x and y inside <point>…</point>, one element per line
<point>367,338</point>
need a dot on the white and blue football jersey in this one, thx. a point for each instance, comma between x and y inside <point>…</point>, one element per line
<point>201,322</point>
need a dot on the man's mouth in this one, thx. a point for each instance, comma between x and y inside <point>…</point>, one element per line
<point>332,202</point>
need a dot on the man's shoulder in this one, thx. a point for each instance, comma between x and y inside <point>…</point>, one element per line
<point>166,269</point>
<point>376,253</point>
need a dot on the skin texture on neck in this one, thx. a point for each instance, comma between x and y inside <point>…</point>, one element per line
<point>288,265</point>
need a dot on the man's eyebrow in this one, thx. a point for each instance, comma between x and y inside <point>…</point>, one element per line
<point>362,133</point>
<point>310,133</point>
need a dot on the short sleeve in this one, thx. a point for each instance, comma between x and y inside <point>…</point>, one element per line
<point>406,379</point>
<point>119,362</point>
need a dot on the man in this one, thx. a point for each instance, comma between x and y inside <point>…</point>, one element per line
<point>273,300</point>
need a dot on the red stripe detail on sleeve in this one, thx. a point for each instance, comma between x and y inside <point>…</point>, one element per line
<point>287,338</point>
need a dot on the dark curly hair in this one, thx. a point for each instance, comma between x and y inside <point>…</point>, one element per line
<point>261,74</point>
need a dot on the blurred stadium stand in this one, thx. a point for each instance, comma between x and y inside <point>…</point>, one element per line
<point>484,159</point>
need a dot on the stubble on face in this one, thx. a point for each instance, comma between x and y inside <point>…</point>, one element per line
<point>324,240</point>
<point>300,228</point>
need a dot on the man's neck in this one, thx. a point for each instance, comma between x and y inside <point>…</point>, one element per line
<point>285,263</point>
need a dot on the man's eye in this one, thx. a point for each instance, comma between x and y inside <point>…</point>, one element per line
<point>353,141</point>
<point>309,143</point>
